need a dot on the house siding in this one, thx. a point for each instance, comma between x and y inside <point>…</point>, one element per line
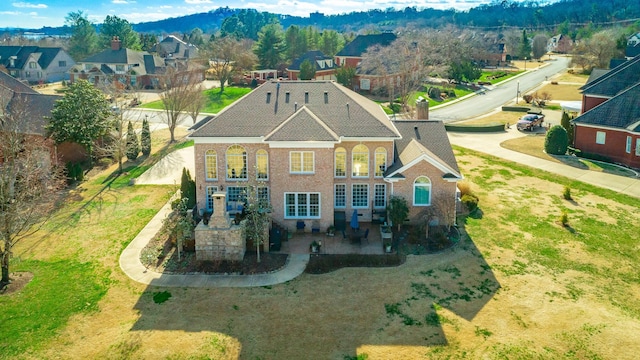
<point>589,102</point>
<point>614,147</point>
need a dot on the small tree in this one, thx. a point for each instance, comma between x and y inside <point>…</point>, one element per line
<point>133,145</point>
<point>398,210</point>
<point>258,210</point>
<point>345,76</point>
<point>568,126</point>
<point>307,70</point>
<point>145,138</point>
<point>188,188</point>
<point>555,143</point>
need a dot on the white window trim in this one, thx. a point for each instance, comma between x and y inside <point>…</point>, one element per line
<point>601,137</point>
<point>245,163</point>
<point>353,166</point>
<point>638,147</point>
<point>375,161</point>
<point>308,195</point>
<point>335,193</point>
<point>335,163</point>
<point>353,196</point>
<point>210,190</point>
<point>384,186</point>
<point>628,144</point>
<point>258,155</point>
<point>302,172</point>
<point>430,186</point>
<point>206,165</point>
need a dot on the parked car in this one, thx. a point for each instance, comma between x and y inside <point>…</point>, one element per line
<point>530,121</point>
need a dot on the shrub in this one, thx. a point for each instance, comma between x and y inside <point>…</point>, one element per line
<point>527,98</point>
<point>188,188</point>
<point>105,162</point>
<point>470,201</point>
<point>395,107</point>
<point>434,93</point>
<point>133,145</point>
<point>564,218</point>
<point>566,194</point>
<point>465,188</point>
<point>556,141</point>
<point>145,138</point>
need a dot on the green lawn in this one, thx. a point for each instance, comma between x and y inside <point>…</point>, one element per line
<point>489,76</point>
<point>216,101</point>
<point>459,90</point>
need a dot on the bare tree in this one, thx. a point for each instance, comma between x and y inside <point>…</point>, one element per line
<point>115,142</point>
<point>180,89</point>
<point>227,57</point>
<point>29,182</point>
<point>597,51</point>
<point>198,103</point>
<point>539,46</point>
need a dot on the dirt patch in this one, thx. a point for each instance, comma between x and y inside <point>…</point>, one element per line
<point>17,282</point>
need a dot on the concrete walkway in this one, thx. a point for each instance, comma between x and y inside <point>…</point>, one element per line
<point>131,265</point>
<point>490,144</point>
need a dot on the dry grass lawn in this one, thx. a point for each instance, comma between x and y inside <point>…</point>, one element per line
<point>518,286</point>
<point>502,117</point>
<point>562,92</point>
<point>572,78</point>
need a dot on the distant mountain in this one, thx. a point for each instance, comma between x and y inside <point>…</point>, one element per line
<point>535,15</point>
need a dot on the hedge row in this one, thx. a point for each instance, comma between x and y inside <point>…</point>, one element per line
<point>471,128</point>
<point>516,108</point>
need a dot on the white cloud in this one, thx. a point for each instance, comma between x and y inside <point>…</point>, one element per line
<point>121,2</point>
<point>197,2</point>
<point>29,5</point>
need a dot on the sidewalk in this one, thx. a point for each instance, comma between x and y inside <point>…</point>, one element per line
<point>490,144</point>
<point>133,268</point>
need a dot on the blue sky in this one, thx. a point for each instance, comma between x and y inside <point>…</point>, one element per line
<point>38,13</point>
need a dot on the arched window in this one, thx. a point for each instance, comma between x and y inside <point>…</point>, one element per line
<point>211,164</point>
<point>236,163</point>
<point>262,165</point>
<point>340,162</point>
<point>381,161</point>
<point>422,191</point>
<point>360,161</point>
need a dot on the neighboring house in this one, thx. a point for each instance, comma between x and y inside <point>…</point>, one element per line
<point>560,44</point>
<point>173,48</point>
<point>351,56</point>
<point>15,95</point>
<point>320,151</point>
<point>324,65</point>
<point>130,68</point>
<point>610,123</point>
<point>36,64</point>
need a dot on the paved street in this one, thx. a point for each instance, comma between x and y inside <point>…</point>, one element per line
<point>499,95</point>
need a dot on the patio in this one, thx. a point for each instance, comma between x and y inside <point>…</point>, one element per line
<point>300,242</point>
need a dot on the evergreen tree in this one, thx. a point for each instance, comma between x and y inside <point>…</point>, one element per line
<point>145,138</point>
<point>345,76</point>
<point>84,39</point>
<point>568,126</point>
<point>270,46</point>
<point>115,26</point>
<point>188,188</point>
<point>525,46</point>
<point>133,145</point>
<point>555,143</point>
<point>307,70</point>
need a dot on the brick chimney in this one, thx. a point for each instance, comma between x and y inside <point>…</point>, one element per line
<point>220,217</point>
<point>115,43</point>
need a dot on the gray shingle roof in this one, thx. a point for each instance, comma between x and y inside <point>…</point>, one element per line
<point>362,42</point>
<point>303,125</point>
<point>259,113</point>
<point>147,63</point>
<point>616,80</point>
<point>21,96</point>
<point>422,138</point>
<point>621,111</point>
<point>44,55</point>
<point>312,56</point>
<point>15,85</point>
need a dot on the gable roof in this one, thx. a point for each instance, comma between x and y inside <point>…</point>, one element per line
<point>39,105</point>
<point>362,42</point>
<point>632,50</point>
<point>146,63</point>
<point>423,140</point>
<point>342,111</point>
<point>43,55</point>
<point>621,111</point>
<point>313,56</point>
<point>173,47</point>
<point>616,80</point>
<point>596,73</point>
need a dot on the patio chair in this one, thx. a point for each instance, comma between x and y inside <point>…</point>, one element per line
<point>365,237</point>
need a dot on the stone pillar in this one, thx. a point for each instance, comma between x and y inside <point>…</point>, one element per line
<point>220,217</point>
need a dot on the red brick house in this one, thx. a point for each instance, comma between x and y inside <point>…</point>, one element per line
<point>610,122</point>
<point>351,56</point>
<point>16,96</point>
<point>324,65</point>
<point>320,151</point>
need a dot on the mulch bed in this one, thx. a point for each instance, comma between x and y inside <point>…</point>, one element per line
<point>18,281</point>
<point>322,264</point>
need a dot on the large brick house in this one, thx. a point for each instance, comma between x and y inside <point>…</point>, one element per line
<point>610,122</point>
<point>324,65</point>
<point>319,151</point>
<point>16,97</point>
<point>352,54</point>
<point>36,64</point>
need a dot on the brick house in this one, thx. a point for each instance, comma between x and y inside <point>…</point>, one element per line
<point>319,151</point>
<point>608,125</point>
<point>324,65</point>
<point>16,96</point>
<point>351,56</point>
<point>36,64</point>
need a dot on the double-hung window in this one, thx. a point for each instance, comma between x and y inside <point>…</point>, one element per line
<point>211,165</point>
<point>340,163</point>
<point>262,165</point>
<point>381,161</point>
<point>629,144</point>
<point>210,191</point>
<point>301,162</point>
<point>380,196</point>
<point>360,161</point>
<point>298,205</point>
<point>601,137</point>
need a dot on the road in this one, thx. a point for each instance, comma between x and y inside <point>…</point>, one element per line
<point>499,95</point>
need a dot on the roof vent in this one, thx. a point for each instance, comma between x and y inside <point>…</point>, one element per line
<point>286,97</point>
<point>295,106</point>
<point>326,97</point>
<point>268,97</point>
<point>306,97</point>
<point>415,129</point>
